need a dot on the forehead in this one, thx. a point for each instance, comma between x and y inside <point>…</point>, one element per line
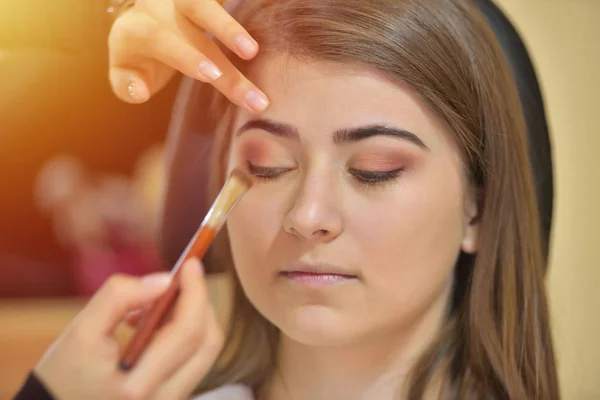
<point>319,96</point>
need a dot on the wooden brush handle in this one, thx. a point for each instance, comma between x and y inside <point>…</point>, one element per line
<point>150,322</point>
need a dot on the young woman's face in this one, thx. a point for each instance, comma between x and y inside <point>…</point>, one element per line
<point>360,206</point>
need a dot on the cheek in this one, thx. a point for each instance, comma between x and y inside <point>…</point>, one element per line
<point>409,241</point>
<point>253,226</point>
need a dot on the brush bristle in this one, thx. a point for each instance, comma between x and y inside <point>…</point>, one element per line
<point>243,177</point>
<point>235,187</point>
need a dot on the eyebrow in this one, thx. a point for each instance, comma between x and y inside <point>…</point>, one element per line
<point>340,136</point>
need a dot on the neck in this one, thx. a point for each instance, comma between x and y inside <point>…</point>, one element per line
<point>370,368</point>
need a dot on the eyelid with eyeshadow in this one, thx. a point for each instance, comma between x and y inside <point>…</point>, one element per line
<point>264,154</point>
<point>378,160</point>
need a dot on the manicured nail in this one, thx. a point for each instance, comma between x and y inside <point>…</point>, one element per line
<point>137,90</point>
<point>209,70</point>
<point>157,281</point>
<point>256,100</point>
<point>133,313</point>
<point>245,45</point>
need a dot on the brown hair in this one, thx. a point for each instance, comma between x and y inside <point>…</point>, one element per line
<point>497,344</point>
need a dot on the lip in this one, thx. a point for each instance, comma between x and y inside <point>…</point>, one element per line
<point>317,274</point>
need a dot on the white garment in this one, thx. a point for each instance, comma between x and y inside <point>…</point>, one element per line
<point>228,392</point>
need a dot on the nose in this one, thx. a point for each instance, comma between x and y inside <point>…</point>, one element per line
<point>315,214</point>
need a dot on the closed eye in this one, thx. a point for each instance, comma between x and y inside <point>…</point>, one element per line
<point>266,173</point>
<point>375,177</point>
<point>370,178</point>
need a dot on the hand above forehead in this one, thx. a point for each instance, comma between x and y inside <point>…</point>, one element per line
<point>153,39</point>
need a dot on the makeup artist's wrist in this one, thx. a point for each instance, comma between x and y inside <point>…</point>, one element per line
<point>33,389</point>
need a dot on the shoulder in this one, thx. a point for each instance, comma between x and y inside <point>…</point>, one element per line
<point>227,392</point>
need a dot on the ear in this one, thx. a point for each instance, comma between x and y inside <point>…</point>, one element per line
<point>470,239</point>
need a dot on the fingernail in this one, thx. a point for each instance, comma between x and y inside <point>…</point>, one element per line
<point>133,313</point>
<point>157,281</point>
<point>137,90</point>
<point>256,101</point>
<point>245,45</point>
<point>209,70</point>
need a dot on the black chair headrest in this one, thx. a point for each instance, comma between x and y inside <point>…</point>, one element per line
<point>540,149</point>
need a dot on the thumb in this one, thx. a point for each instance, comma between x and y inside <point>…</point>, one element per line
<point>129,85</point>
<point>119,295</point>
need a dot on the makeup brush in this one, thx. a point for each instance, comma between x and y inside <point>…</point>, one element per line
<point>234,188</point>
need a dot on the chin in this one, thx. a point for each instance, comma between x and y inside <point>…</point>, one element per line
<point>316,325</point>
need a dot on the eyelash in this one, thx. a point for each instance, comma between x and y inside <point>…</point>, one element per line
<point>367,178</point>
<point>265,173</point>
<point>372,178</point>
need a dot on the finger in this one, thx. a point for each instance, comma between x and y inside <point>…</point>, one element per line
<point>127,80</point>
<point>116,297</point>
<point>130,85</point>
<point>177,342</point>
<point>133,317</point>
<point>143,58</point>
<point>141,50</point>
<point>136,81</point>
<point>212,17</point>
<point>169,48</point>
<point>177,53</point>
<point>233,84</point>
<point>183,382</point>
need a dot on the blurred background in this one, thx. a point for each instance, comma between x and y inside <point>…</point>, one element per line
<point>81,175</point>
